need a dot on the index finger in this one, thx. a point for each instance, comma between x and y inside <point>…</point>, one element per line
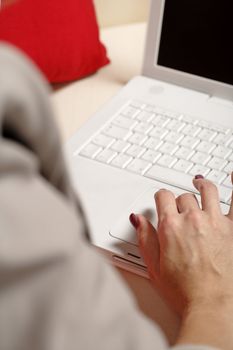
<point>209,195</point>
<point>165,203</point>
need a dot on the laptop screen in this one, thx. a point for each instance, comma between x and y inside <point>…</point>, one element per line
<point>196,38</point>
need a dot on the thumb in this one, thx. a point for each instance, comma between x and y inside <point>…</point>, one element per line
<point>148,243</point>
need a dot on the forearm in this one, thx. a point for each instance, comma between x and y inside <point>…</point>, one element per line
<point>208,323</point>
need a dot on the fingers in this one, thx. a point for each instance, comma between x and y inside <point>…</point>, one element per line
<point>165,204</point>
<point>230,214</point>
<point>148,243</point>
<point>209,195</point>
<point>187,202</point>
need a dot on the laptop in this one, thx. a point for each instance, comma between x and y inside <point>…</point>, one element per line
<point>165,126</point>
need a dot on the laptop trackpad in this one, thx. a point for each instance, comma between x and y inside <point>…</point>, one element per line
<point>145,205</point>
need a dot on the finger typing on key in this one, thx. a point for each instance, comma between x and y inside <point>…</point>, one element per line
<point>190,259</point>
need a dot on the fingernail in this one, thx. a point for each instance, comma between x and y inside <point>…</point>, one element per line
<point>134,220</point>
<point>199,177</point>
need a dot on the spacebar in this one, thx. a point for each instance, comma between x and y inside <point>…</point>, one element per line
<point>171,177</point>
<point>181,180</point>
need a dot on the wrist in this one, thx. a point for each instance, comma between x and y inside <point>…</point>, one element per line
<point>208,321</point>
<point>218,302</point>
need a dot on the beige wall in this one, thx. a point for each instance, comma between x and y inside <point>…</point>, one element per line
<point>115,12</point>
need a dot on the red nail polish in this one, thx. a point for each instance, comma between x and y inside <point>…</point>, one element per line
<point>199,177</point>
<point>134,220</point>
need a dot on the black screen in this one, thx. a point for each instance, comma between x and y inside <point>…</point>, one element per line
<point>197,38</point>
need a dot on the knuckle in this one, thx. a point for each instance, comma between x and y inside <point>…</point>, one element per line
<point>194,216</point>
<point>168,222</point>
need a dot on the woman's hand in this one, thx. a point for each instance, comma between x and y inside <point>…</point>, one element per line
<point>190,255</point>
<point>190,258</point>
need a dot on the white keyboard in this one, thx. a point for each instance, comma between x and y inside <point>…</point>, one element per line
<point>166,146</point>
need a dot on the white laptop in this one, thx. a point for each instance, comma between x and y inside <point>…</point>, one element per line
<point>165,126</point>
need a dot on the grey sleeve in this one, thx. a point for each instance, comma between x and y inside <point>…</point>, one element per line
<point>55,291</point>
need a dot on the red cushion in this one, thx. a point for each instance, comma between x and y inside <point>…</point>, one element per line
<point>61,37</point>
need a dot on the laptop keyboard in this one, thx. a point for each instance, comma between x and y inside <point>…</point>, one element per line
<point>166,146</point>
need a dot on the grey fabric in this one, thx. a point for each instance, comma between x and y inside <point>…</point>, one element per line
<point>55,291</point>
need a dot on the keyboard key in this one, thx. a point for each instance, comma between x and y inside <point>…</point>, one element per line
<point>217,163</point>
<point>139,166</point>
<point>191,130</point>
<point>151,155</point>
<point>158,132</point>
<point>143,128</point>
<point>175,125</point>
<point>189,142</point>
<point>124,122</point>
<point>184,153</point>
<point>200,158</point>
<point>207,135</point>
<point>206,147</point>
<point>103,140</point>
<point>220,139</point>
<point>130,112</point>
<point>144,116</point>
<point>116,132</point>
<point>166,161</point>
<point>199,169</point>
<point>216,176</point>
<point>135,151</point>
<point>106,156</point>
<point>137,138</point>
<point>160,121</point>
<point>173,137</point>
<point>168,148</point>
<point>90,150</point>
<point>120,145</point>
<point>121,161</point>
<point>153,143</point>
<point>171,176</point>
<point>183,165</point>
<point>223,140</point>
<point>221,152</point>
<point>228,168</point>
